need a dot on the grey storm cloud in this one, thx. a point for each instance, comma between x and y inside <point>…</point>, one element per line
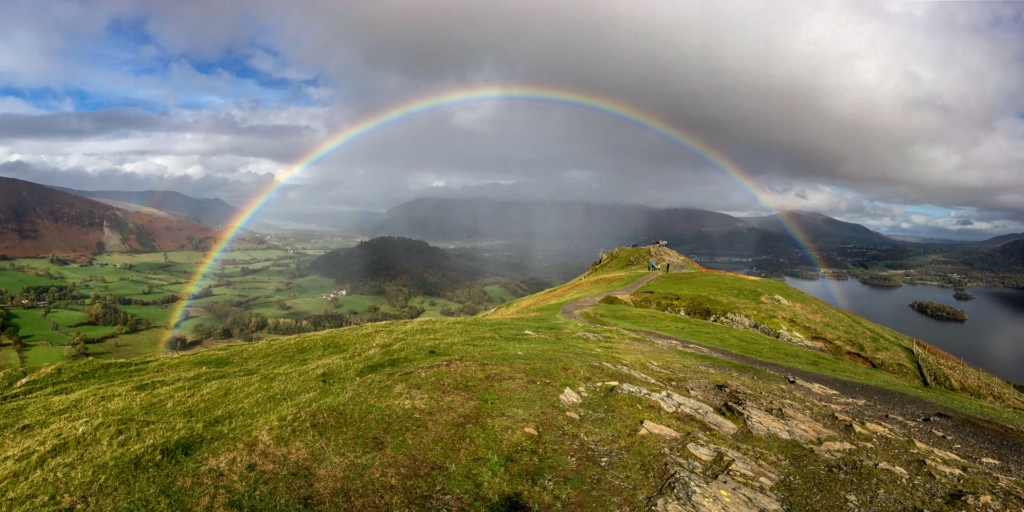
<point>854,109</point>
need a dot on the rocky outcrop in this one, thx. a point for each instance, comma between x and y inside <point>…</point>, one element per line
<point>746,323</point>
<point>797,426</point>
<point>673,402</point>
<point>649,427</point>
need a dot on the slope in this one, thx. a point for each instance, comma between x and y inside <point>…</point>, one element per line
<point>38,220</point>
<point>518,410</point>
<point>821,229</point>
<point>210,212</point>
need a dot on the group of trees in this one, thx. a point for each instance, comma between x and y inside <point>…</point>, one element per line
<point>939,311</point>
<point>106,314</point>
<point>34,294</point>
<point>77,348</point>
<point>9,332</point>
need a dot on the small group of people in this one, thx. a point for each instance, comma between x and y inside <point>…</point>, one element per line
<point>654,266</point>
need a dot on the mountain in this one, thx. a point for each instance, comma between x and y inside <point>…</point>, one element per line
<point>1008,253</point>
<point>821,229</point>
<point>212,213</point>
<point>39,220</point>
<point>687,229</point>
<point>414,263</point>
<point>996,240</point>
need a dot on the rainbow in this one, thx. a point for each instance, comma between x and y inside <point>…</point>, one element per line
<point>459,96</point>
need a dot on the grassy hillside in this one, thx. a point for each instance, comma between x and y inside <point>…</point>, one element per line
<point>465,414</point>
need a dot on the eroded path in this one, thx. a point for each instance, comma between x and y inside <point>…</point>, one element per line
<point>974,439</point>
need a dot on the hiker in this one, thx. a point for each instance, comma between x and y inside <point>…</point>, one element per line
<point>667,265</point>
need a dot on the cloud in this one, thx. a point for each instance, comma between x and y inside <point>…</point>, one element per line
<point>864,111</point>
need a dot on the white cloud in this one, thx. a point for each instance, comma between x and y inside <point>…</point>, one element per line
<point>858,110</point>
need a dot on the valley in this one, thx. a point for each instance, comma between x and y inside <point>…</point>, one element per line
<point>634,408</point>
<point>275,285</point>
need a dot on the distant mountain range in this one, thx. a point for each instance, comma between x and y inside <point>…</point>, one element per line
<point>212,213</point>
<point>686,229</point>
<point>1001,239</point>
<point>39,220</point>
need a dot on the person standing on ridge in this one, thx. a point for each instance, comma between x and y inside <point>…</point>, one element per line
<point>667,265</point>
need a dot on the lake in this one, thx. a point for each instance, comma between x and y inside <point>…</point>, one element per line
<point>992,338</point>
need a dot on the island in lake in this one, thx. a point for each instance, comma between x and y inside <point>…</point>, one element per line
<point>939,311</point>
<point>962,295</point>
<point>878,279</point>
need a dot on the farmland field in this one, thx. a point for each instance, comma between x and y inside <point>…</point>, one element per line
<point>16,281</point>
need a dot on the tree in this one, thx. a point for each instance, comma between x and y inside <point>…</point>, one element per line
<point>77,348</point>
<point>177,342</point>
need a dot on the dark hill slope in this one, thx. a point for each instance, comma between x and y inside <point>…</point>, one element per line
<point>208,212</point>
<point>411,263</point>
<point>1009,253</point>
<point>570,224</point>
<point>821,229</point>
<point>1001,239</point>
<point>685,228</point>
<point>38,220</point>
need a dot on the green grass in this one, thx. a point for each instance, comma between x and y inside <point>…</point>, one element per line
<point>423,414</point>
<point>207,417</point>
<point>8,358</point>
<point>15,281</point>
<point>32,326</point>
<point>497,293</point>
<point>64,318</point>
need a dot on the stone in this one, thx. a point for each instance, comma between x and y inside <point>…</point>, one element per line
<point>895,469</point>
<point>799,428</point>
<point>572,415</point>
<point>949,472</point>
<point>702,452</point>
<point>940,453</point>
<point>817,388</point>
<point>980,502</point>
<point>833,446</point>
<point>529,333</point>
<point>530,431</point>
<point>569,398</point>
<point>650,427</point>
<point>877,429</point>
<point>672,402</point>
<point>688,491</point>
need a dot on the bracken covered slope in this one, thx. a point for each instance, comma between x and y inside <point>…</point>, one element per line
<point>39,221</point>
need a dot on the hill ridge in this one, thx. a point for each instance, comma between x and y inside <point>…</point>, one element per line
<point>36,220</point>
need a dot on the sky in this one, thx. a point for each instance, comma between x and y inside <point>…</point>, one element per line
<point>907,117</point>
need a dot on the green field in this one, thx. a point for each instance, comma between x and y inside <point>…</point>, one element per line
<point>64,318</point>
<point>498,293</point>
<point>14,281</point>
